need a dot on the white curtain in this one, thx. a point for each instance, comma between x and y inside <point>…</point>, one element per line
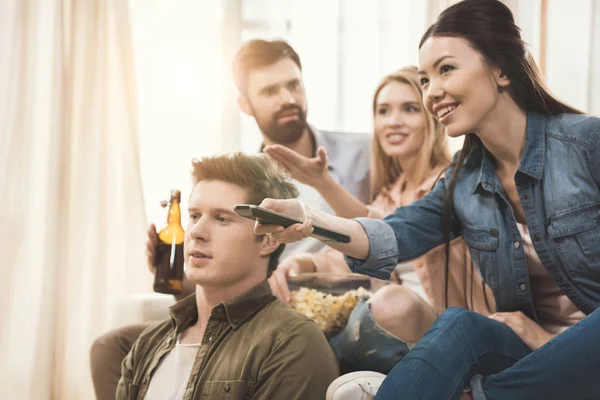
<point>72,213</point>
<point>183,75</point>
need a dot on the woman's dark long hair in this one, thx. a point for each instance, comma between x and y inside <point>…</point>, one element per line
<point>490,28</point>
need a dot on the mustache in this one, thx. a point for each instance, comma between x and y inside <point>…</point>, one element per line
<point>285,109</point>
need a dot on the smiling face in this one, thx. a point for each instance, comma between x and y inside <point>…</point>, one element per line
<point>399,120</point>
<point>459,88</point>
<point>221,248</point>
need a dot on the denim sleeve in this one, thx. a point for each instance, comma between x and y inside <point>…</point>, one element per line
<point>477,388</point>
<point>595,156</point>
<point>406,234</point>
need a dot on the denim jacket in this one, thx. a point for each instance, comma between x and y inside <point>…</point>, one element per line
<point>558,182</point>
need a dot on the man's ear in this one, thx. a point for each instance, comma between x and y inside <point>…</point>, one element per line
<point>268,245</point>
<point>501,78</point>
<point>244,105</point>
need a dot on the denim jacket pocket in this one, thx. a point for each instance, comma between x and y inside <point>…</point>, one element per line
<point>576,235</point>
<point>483,245</point>
<point>228,390</point>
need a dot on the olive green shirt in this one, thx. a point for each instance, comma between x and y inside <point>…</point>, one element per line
<point>254,347</point>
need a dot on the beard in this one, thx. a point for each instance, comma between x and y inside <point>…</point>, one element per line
<point>287,132</point>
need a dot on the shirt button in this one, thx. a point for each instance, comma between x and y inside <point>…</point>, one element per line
<point>210,339</point>
<point>517,244</point>
<point>525,196</point>
<point>536,237</point>
<point>227,388</point>
<point>523,287</point>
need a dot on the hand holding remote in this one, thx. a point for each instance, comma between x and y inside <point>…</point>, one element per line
<point>293,233</point>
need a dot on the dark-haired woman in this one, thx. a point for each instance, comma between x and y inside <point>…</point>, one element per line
<point>524,193</point>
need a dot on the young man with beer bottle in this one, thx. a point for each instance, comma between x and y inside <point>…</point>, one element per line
<point>232,338</point>
<point>268,76</point>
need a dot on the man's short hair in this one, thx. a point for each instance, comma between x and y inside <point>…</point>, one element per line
<point>260,176</point>
<point>258,54</point>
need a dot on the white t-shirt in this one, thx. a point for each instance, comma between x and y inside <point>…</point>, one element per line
<point>171,377</point>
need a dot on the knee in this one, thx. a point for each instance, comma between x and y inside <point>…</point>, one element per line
<point>101,349</point>
<point>460,314</point>
<point>394,303</point>
<point>470,321</point>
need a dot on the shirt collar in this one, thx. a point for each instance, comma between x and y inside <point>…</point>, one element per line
<point>241,308</point>
<point>320,141</point>
<point>487,172</point>
<point>184,313</point>
<point>532,159</point>
<point>237,310</point>
<point>318,136</point>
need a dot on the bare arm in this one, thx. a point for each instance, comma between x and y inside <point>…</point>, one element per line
<point>376,246</point>
<point>357,248</point>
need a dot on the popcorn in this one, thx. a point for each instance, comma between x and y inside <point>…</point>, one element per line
<point>328,311</point>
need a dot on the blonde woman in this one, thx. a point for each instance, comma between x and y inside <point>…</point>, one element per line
<point>409,155</point>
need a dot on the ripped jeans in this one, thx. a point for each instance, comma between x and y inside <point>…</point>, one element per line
<point>364,346</point>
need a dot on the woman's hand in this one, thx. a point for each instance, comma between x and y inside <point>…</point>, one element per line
<point>528,330</point>
<point>293,233</point>
<point>310,171</point>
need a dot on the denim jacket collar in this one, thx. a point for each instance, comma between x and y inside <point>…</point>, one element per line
<point>532,159</point>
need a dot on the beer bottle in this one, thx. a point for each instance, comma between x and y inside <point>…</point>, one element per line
<point>168,276</point>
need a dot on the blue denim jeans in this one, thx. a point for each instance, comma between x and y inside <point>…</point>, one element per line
<point>463,348</point>
<point>363,345</point>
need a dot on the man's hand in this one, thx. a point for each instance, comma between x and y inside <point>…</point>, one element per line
<point>528,330</point>
<point>310,171</point>
<point>290,267</point>
<point>151,245</point>
<point>293,233</point>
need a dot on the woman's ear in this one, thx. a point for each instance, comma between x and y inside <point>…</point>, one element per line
<point>501,78</point>
<point>268,245</point>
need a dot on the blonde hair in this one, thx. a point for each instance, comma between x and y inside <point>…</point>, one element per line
<point>385,170</point>
<point>257,174</point>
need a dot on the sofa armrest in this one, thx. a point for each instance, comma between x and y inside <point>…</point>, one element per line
<point>142,307</point>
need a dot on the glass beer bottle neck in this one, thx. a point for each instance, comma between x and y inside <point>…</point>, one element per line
<point>174,216</point>
<point>173,232</point>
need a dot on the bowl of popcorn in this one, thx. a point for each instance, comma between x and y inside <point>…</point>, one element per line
<point>328,298</point>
